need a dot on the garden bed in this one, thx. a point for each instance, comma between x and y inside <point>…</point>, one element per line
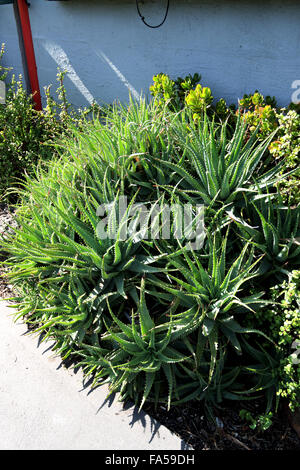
<point>190,423</point>
<point>188,326</point>
<point>229,432</point>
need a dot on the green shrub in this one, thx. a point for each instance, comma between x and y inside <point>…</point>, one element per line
<point>22,136</point>
<point>156,319</point>
<point>26,135</point>
<point>188,93</point>
<point>287,147</point>
<point>199,100</point>
<point>259,114</point>
<point>283,323</point>
<point>172,93</point>
<point>159,319</point>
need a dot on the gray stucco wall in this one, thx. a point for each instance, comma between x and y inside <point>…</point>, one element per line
<point>237,45</point>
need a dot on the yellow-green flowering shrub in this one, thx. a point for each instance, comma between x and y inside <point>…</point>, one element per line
<point>173,93</point>
<point>282,321</point>
<point>200,99</point>
<point>287,147</point>
<point>258,111</point>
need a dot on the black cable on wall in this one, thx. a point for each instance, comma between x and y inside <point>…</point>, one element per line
<point>143,18</point>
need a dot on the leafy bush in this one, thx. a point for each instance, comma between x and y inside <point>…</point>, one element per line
<point>26,135</point>
<point>287,147</point>
<point>260,114</point>
<point>22,133</point>
<point>200,99</point>
<point>283,323</point>
<point>172,92</point>
<point>158,320</point>
<point>186,92</point>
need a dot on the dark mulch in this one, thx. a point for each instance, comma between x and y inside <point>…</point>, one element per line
<point>228,432</point>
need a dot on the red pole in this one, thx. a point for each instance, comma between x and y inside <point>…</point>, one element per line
<point>29,52</point>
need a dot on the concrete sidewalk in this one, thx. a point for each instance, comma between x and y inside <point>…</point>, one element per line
<point>44,405</point>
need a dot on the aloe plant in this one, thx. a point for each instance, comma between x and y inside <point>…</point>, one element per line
<point>124,146</point>
<point>68,271</point>
<point>274,230</point>
<point>216,291</point>
<point>140,348</point>
<point>157,318</point>
<point>217,168</point>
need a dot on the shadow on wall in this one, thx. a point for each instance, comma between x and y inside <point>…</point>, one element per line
<point>63,63</point>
